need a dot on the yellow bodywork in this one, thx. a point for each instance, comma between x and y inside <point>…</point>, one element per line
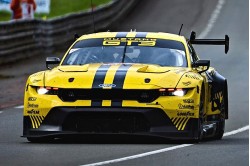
<point>179,109</point>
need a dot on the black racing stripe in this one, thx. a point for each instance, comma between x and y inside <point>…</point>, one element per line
<point>121,34</point>
<point>99,79</point>
<point>141,34</point>
<point>120,76</point>
<point>96,103</point>
<point>100,75</point>
<point>116,103</point>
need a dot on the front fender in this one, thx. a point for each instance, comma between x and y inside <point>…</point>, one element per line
<point>36,79</point>
<point>190,80</point>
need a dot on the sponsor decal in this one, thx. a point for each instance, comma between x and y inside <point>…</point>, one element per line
<point>183,106</point>
<point>129,41</point>
<point>33,111</point>
<point>185,114</point>
<point>188,100</point>
<point>193,77</point>
<point>218,96</point>
<point>32,99</point>
<point>107,85</point>
<point>217,100</point>
<point>33,105</point>
<point>186,83</point>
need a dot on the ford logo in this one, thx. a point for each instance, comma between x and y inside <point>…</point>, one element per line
<point>107,85</point>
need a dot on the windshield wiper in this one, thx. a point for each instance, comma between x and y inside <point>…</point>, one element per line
<point>124,51</point>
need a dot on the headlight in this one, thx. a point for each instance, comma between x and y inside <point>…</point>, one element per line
<point>47,90</point>
<point>173,92</point>
<point>179,92</point>
<point>42,90</point>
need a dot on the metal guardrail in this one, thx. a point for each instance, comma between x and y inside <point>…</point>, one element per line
<point>20,39</point>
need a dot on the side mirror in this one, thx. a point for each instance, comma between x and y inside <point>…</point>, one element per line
<point>202,63</point>
<point>52,60</point>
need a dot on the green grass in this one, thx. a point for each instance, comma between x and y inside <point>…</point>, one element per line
<point>60,7</point>
<point>5,16</point>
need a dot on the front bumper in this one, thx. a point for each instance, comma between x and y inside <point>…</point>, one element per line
<point>63,121</point>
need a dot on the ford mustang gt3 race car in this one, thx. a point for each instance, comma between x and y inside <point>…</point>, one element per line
<point>128,83</point>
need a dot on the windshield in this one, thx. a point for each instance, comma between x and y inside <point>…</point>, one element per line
<point>161,52</point>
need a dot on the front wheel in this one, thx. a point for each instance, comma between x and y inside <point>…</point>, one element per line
<point>220,130</point>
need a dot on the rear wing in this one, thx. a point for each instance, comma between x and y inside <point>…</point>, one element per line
<point>225,41</point>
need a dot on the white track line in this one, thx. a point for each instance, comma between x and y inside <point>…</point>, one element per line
<point>212,20</point>
<point>21,106</point>
<point>1,112</point>
<point>160,150</point>
<point>236,131</point>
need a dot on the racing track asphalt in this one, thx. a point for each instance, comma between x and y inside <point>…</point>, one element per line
<point>157,16</point>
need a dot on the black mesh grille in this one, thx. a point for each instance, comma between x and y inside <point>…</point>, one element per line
<point>143,96</point>
<point>103,122</point>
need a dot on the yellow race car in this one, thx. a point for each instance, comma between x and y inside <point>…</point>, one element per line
<point>128,83</point>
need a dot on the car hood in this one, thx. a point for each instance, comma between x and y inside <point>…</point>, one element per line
<point>126,76</point>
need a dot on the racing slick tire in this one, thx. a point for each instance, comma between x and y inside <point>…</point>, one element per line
<point>220,130</point>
